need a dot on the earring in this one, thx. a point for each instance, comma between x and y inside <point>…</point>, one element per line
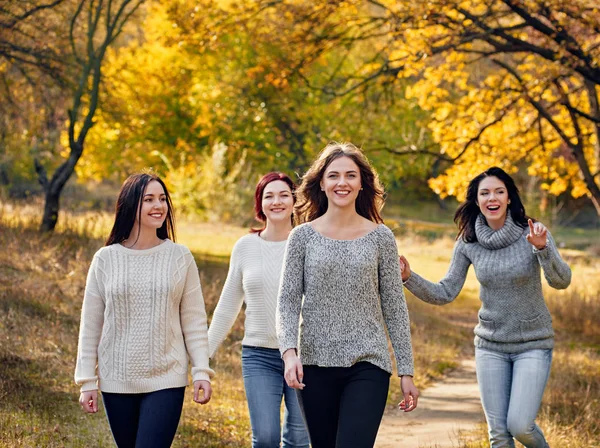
<point>361,188</point>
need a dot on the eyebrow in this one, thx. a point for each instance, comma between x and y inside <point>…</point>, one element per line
<point>150,194</point>
<point>280,191</point>
<point>497,188</point>
<point>337,172</point>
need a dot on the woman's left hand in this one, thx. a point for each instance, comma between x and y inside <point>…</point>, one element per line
<point>410,392</point>
<point>206,389</point>
<point>537,234</point>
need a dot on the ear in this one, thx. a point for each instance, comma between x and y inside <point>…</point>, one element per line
<point>321,185</point>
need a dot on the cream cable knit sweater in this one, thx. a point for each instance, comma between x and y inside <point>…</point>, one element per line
<point>254,274</point>
<point>143,315</point>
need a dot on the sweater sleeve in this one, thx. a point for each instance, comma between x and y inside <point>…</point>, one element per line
<point>448,287</point>
<point>556,271</point>
<point>193,322</point>
<point>90,330</point>
<point>230,303</point>
<point>393,304</point>
<point>291,289</point>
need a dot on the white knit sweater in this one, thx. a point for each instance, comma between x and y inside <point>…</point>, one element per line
<point>143,315</point>
<point>254,274</point>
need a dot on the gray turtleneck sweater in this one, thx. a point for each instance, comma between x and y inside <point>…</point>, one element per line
<point>513,316</point>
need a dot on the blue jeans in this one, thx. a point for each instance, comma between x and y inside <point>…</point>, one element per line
<point>265,386</point>
<point>511,387</point>
<point>146,420</point>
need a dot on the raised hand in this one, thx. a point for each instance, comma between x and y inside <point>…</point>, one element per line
<point>538,234</point>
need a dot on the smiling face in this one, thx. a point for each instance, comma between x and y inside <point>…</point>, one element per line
<point>154,206</point>
<point>277,201</point>
<point>341,182</point>
<point>492,199</point>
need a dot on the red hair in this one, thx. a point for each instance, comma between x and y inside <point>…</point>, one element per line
<point>259,215</point>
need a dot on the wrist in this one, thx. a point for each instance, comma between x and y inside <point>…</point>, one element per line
<point>290,352</point>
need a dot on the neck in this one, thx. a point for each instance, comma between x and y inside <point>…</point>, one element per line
<point>340,217</point>
<point>276,231</point>
<point>142,238</point>
<point>497,224</point>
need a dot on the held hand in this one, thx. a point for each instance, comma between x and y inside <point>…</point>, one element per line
<point>294,374</point>
<point>204,386</point>
<point>404,268</point>
<point>537,234</point>
<point>89,401</point>
<point>410,392</point>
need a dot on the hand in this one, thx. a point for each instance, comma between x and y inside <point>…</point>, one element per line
<point>89,401</point>
<point>404,268</point>
<point>410,392</point>
<point>294,374</point>
<point>537,234</point>
<point>206,389</point>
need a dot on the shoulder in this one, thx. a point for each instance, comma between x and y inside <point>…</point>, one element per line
<point>301,232</point>
<point>383,233</point>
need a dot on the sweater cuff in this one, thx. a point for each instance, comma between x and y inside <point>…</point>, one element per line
<point>89,386</point>
<point>201,376</point>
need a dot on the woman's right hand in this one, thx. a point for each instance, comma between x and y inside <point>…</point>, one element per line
<point>404,268</point>
<point>89,401</point>
<point>294,374</point>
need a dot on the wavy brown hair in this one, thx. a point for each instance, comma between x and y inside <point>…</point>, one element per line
<point>312,202</point>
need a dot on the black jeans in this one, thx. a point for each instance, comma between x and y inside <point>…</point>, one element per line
<point>146,420</point>
<point>343,406</point>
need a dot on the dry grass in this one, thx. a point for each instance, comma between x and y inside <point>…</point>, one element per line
<point>41,285</point>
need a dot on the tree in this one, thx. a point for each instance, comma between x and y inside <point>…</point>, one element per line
<point>507,82</point>
<point>92,26</point>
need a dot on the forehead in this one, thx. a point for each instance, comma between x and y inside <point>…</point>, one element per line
<point>154,187</point>
<point>342,164</point>
<point>491,183</point>
<point>276,186</point>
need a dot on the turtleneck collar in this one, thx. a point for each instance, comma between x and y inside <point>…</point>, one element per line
<point>497,239</point>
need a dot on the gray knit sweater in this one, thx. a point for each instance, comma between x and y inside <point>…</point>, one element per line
<point>513,316</point>
<point>347,292</point>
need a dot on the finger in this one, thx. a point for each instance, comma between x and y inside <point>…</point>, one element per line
<point>402,404</point>
<point>94,403</point>
<point>531,229</point>
<point>300,373</point>
<point>196,393</point>
<point>407,401</point>
<point>207,392</point>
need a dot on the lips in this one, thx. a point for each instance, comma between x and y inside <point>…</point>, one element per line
<point>342,192</point>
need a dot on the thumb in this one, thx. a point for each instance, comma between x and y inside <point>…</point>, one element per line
<point>531,229</point>
<point>196,391</point>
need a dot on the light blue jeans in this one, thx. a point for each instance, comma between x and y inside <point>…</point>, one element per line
<point>265,386</point>
<point>511,387</point>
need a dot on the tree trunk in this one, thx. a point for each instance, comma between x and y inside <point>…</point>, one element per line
<point>51,208</point>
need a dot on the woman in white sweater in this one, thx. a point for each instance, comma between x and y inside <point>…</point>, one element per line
<point>142,320</point>
<point>254,274</point>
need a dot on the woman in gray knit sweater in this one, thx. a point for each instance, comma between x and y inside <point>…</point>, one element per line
<point>342,277</point>
<point>514,337</point>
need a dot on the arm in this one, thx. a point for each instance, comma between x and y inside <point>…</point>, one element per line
<point>193,322</point>
<point>90,330</point>
<point>449,287</point>
<point>393,304</point>
<point>291,289</point>
<point>556,271</point>
<point>230,303</point>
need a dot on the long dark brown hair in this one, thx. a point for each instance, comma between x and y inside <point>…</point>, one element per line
<point>129,203</point>
<point>259,214</point>
<point>467,212</point>
<point>312,202</point>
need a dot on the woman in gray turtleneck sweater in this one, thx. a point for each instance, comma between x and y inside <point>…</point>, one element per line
<point>514,337</point>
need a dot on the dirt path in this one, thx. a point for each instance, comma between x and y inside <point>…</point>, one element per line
<point>446,410</point>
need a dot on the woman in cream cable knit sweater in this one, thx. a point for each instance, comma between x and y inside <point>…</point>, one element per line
<point>143,318</point>
<point>254,273</point>
<point>514,337</point>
